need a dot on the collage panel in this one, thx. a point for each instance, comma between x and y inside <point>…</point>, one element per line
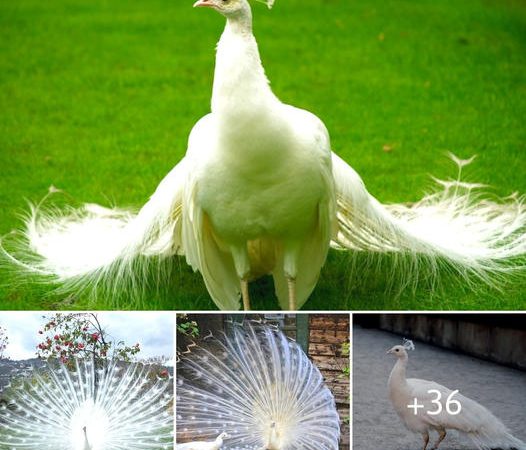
<point>448,381</point>
<point>263,381</point>
<point>86,381</point>
<point>169,176</point>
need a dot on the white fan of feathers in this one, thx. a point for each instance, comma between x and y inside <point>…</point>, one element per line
<point>258,388</point>
<point>107,405</point>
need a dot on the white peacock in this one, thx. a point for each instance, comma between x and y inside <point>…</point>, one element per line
<point>260,191</point>
<point>472,419</point>
<point>259,388</point>
<point>106,406</point>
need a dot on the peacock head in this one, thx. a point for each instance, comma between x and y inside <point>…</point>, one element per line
<point>400,351</point>
<point>229,8</point>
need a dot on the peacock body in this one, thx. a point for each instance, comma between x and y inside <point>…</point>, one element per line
<point>108,406</point>
<point>260,388</point>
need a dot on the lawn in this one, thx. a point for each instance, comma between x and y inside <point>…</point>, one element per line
<point>98,97</point>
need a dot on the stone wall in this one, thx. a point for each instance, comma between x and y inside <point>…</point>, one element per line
<point>327,335</point>
<point>497,338</point>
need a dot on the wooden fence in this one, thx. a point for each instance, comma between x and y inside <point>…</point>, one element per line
<point>328,334</point>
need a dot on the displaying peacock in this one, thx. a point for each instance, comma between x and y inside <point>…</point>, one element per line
<point>94,406</point>
<point>259,388</point>
<point>258,192</point>
<point>466,415</point>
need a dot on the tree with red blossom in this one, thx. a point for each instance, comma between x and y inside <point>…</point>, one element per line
<point>4,340</point>
<point>80,335</point>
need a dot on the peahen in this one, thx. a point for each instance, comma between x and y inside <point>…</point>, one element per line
<point>474,420</point>
<point>216,444</point>
<point>260,192</point>
<point>259,387</point>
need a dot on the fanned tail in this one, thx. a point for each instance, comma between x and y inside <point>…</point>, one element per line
<point>257,386</point>
<point>457,226</point>
<point>112,249</point>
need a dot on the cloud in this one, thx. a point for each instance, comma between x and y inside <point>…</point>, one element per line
<point>22,329</point>
<point>153,330</point>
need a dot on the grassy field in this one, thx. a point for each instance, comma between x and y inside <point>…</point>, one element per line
<point>98,97</point>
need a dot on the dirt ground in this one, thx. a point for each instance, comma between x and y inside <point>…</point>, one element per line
<point>376,425</point>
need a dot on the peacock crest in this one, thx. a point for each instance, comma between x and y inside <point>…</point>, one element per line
<point>408,344</point>
<point>269,3</point>
<point>259,387</point>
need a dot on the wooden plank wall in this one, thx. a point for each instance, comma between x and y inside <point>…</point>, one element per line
<point>327,334</point>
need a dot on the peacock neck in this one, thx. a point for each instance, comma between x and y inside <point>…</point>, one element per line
<point>398,374</point>
<point>87,446</point>
<point>273,442</point>
<point>241,22</point>
<point>240,84</point>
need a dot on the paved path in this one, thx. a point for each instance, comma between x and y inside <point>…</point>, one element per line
<point>377,427</point>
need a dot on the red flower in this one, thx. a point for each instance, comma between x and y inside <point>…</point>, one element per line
<point>58,347</point>
<point>95,336</point>
<point>80,346</point>
<point>57,337</point>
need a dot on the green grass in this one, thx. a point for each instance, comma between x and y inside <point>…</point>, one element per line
<point>98,98</point>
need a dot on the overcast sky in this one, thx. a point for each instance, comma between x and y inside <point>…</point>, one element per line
<point>153,330</point>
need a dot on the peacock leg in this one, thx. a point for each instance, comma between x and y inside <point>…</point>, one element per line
<point>292,293</point>
<point>242,265</point>
<point>245,294</point>
<point>426,439</point>
<point>441,435</point>
<point>291,255</point>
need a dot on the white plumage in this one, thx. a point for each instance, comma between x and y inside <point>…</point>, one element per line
<point>260,192</point>
<point>474,420</point>
<point>202,445</point>
<point>259,387</point>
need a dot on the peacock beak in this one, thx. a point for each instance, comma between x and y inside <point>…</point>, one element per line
<point>200,3</point>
